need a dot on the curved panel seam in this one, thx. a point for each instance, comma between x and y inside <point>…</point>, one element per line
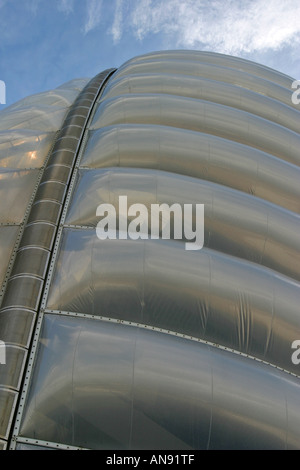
<point>171,333</point>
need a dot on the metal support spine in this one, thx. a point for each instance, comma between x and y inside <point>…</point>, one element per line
<point>21,300</point>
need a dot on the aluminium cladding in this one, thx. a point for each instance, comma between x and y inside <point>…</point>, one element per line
<point>139,344</point>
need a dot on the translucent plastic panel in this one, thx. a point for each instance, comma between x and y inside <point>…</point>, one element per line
<point>42,112</point>
<point>8,400</point>
<point>77,84</point>
<point>43,118</point>
<point>62,96</point>
<point>57,98</point>
<point>234,223</point>
<point>210,90</point>
<point>143,343</point>
<point>8,236</point>
<point>195,154</point>
<point>16,189</point>
<point>201,293</point>
<point>24,148</point>
<point>104,385</point>
<point>203,116</point>
<point>211,72</point>
<point>214,58</point>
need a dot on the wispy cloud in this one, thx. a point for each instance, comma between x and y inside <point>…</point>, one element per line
<point>33,5</point>
<point>228,26</point>
<point>117,26</point>
<point>66,6</point>
<point>93,17</point>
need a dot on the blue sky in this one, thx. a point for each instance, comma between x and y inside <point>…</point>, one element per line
<point>44,43</point>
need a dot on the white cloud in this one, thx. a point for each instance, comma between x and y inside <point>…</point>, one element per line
<point>227,26</point>
<point>117,27</point>
<point>93,18</point>
<point>66,6</point>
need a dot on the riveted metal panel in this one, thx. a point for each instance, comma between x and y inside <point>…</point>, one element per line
<point>63,157</point>
<point>71,130</point>
<point>84,102</point>
<point>45,211</point>
<point>11,372</point>
<point>88,95</point>
<point>3,444</point>
<point>16,190</point>
<point>51,190</point>
<point>92,89</point>
<point>39,234</point>
<point>23,447</point>
<point>164,392</point>
<point>32,261</point>
<point>60,173</point>
<point>8,238</point>
<point>66,143</point>
<point>28,290</point>
<point>24,287</point>
<point>8,399</point>
<point>75,119</point>
<point>16,326</point>
<point>82,111</point>
<point>157,282</point>
<point>186,350</point>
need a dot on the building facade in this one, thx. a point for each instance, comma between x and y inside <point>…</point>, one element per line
<point>125,343</point>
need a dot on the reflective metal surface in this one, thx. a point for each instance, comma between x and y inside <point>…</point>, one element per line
<point>201,116</point>
<point>163,392</point>
<point>205,89</point>
<point>196,154</point>
<point>28,129</point>
<point>24,148</point>
<point>8,236</point>
<point>250,76</point>
<point>235,223</point>
<point>17,187</point>
<point>222,60</point>
<point>204,294</point>
<point>142,344</point>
